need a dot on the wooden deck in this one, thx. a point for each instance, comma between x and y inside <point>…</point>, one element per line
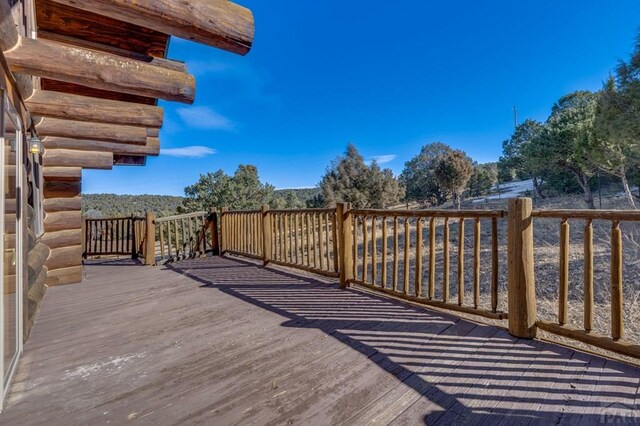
<point>222,341</point>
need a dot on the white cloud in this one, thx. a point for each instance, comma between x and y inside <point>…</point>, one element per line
<point>201,117</point>
<point>195,151</point>
<point>383,159</point>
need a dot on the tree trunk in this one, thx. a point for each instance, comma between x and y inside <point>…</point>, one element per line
<point>537,188</point>
<point>456,201</point>
<point>627,189</point>
<point>583,181</point>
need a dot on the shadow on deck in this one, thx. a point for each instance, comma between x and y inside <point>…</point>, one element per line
<point>224,341</point>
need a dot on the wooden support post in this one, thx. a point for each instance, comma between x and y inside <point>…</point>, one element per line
<point>617,323</point>
<point>563,293</point>
<point>266,235</point>
<point>215,242</point>
<point>224,231</point>
<point>521,278</point>
<point>150,240</point>
<point>346,243</point>
<point>588,276</point>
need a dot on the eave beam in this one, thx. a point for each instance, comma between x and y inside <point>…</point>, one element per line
<point>218,23</point>
<point>74,158</point>
<point>152,147</point>
<point>66,106</point>
<point>92,68</point>
<point>93,131</point>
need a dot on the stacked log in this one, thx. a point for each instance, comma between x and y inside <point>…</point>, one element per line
<point>63,229</point>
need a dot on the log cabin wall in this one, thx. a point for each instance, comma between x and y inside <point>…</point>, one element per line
<point>90,74</point>
<point>63,225</point>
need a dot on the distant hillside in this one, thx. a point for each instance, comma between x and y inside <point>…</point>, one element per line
<point>112,205</point>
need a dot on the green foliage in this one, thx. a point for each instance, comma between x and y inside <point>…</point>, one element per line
<point>518,160</point>
<point>616,149</point>
<point>112,205</point>
<point>349,179</point>
<point>419,179</point>
<point>561,146</point>
<point>453,171</point>
<point>242,191</point>
<point>483,178</point>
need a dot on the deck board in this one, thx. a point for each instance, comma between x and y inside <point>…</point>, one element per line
<point>225,341</point>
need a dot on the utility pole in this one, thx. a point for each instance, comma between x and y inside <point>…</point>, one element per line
<point>515,117</point>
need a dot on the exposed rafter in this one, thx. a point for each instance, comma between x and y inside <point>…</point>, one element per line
<point>218,23</point>
<point>74,158</point>
<point>152,147</point>
<point>93,131</point>
<point>101,70</point>
<point>84,108</point>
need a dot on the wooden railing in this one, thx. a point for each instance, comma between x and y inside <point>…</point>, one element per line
<point>122,236</point>
<point>453,260</point>
<point>305,239</point>
<point>449,259</point>
<point>302,239</point>
<point>182,236</point>
<point>615,341</point>
<point>242,232</point>
<point>390,255</point>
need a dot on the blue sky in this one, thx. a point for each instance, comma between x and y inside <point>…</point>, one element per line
<point>387,76</point>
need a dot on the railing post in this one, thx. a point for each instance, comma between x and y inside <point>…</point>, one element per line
<point>215,242</point>
<point>266,235</point>
<point>345,236</point>
<point>132,235</point>
<point>224,232</point>
<point>150,239</point>
<point>521,278</point>
<point>84,236</point>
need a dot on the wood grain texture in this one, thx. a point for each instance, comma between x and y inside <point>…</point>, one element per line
<point>46,103</point>
<point>151,147</point>
<point>63,238</point>
<point>387,361</point>
<point>588,276</point>
<point>69,174</point>
<point>93,68</point>
<point>63,20</point>
<point>218,23</point>
<point>62,189</point>
<point>62,204</point>
<point>65,257</point>
<point>94,131</point>
<point>617,321</point>
<point>60,221</point>
<point>75,158</point>
<point>563,297</point>
<point>520,269</point>
<point>64,276</point>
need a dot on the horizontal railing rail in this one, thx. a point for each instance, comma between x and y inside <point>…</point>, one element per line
<point>389,252</point>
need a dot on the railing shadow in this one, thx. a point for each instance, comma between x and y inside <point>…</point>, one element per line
<point>456,371</point>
